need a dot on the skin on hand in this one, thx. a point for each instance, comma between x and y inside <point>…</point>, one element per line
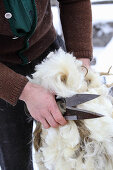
<point>85,61</point>
<point>42,105</point>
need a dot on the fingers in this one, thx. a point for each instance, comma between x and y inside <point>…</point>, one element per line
<point>57,115</point>
<point>44,123</point>
<point>51,120</point>
<point>47,112</point>
<point>47,120</point>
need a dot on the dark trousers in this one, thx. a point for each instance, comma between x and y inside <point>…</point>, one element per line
<point>16,126</point>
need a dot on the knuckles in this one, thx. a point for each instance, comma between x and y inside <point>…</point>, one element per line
<point>46,126</point>
<point>55,125</point>
<point>59,119</point>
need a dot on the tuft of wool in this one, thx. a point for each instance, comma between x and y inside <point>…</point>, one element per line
<point>79,145</point>
<point>54,73</point>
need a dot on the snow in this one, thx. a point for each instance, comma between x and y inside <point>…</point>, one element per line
<point>99,0</point>
<point>105,28</point>
<point>102,13</point>
<point>33,152</point>
<point>104,58</point>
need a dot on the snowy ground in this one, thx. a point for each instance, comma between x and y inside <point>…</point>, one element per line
<point>103,55</point>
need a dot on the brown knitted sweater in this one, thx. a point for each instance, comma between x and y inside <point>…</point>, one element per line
<point>77,27</point>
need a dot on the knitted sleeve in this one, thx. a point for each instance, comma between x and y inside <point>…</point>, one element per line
<point>11,84</point>
<point>76,19</point>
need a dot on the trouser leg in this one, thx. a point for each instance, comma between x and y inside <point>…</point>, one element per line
<point>15,137</point>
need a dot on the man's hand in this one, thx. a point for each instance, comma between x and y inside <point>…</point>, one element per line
<point>42,105</point>
<point>85,61</point>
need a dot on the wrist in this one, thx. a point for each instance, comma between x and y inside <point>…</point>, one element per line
<point>25,92</point>
<point>85,62</point>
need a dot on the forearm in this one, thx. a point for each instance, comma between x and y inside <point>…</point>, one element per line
<point>76,18</point>
<point>11,84</point>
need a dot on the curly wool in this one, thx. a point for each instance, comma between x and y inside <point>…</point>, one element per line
<point>79,145</point>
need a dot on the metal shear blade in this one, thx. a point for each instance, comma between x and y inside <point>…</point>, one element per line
<point>79,114</point>
<point>73,113</point>
<point>79,99</point>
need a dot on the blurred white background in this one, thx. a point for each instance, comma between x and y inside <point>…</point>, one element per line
<point>102,15</point>
<point>103,36</point>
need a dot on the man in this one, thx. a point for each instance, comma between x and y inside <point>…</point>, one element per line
<point>27,35</point>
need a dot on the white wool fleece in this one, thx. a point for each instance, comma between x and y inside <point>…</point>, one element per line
<point>86,145</point>
<point>56,68</point>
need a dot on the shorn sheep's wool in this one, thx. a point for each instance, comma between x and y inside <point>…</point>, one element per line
<point>79,145</point>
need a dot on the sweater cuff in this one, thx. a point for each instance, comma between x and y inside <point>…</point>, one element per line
<point>17,90</point>
<point>83,54</point>
<point>11,84</point>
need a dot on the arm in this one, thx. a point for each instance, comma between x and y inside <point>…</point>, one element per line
<point>40,102</point>
<point>77,28</point>
<point>76,19</point>
<point>11,84</point>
